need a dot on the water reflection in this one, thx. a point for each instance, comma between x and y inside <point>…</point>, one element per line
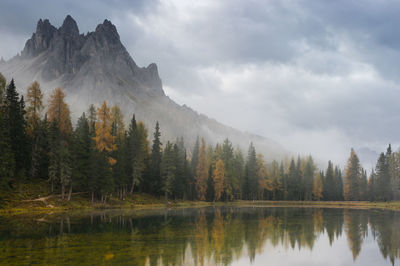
<point>204,236</point>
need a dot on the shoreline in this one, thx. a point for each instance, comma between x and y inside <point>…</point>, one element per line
<point>80,204</point>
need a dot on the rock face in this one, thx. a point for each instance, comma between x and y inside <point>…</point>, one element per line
<point>95,67</point>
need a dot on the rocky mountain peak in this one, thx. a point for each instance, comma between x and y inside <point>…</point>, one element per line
<point>69,27</point>
<point>108,31</point>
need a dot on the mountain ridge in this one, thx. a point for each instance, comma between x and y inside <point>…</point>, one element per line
<point>96,66</point>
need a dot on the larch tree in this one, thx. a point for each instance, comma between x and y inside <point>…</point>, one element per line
<point>33,113</point>
<point>219,179</point>
<point>318,187</point>
<point>201,172</point>
<point>105,141</point>
<point>263,182</point>
<point>352,177</point>
<point>117,121</point>
<point>58,111</point>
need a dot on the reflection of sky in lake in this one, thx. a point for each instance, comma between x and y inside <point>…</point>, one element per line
<point>321,254</point>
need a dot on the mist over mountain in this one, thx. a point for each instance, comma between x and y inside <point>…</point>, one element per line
<point>94,67</point>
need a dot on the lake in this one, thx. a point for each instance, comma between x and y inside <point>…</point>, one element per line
<point>204,236</point>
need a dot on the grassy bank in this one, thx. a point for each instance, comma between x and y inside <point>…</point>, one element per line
<point>27,198</point>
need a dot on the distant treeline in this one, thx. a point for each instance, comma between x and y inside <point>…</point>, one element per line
<point>102,156</point>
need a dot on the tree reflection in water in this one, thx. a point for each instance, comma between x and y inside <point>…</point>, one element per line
<point>202,236</point>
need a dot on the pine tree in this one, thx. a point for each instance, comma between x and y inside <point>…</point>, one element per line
<point>82,143</point>
<point>329,186</point>
<point>155,161</point>
<point>363,185</point>
<point>372,186</point>
<point>210,193</point>
<point>292,181</point>
<point>309,172</point>
<point>219,179</point>
<point>263,182</point>
<point>33,114</point>
<point>251,174</point>
<point>3,84</point>
<point>7,161</point>
<point>14,110</point>
<point>352,178</point>
<point>339,183</point>
<point>276,180</point>
<point>168,170</point>
<point>382,189</point>
<point>201,172</point>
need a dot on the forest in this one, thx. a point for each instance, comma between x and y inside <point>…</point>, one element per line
<point>105,158</point>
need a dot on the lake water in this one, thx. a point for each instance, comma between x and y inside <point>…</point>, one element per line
<point>204,236</point>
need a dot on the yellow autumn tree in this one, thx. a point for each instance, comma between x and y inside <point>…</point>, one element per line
<point>117,121</point>
<point>34,98</point>
<point>317,187</point>
<point>262,177</point>
<point>59,111</point>
<point>201,172</point>
<point>105,141</point>
<point>219,179</point>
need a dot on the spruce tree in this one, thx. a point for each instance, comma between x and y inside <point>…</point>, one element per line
<point>15,122</point>
<point>155,161</point>
<point>251,174</point>
<point>329,186</point>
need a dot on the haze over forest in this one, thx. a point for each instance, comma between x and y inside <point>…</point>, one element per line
<point>318,78</point>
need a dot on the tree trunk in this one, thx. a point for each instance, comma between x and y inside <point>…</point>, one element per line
<point>92,197</point>
<point>62,191</point>
<point>166,198</point>
<point>70,192</point>
<point>52,186</point>
<point>133,185</point>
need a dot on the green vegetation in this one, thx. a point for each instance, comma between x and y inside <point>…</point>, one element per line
<point>100,163</point>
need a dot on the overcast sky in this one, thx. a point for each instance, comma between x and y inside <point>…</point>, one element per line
<point>319,77</point>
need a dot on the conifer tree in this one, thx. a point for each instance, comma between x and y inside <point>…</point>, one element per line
<point>219,179</point>
<point>155,161</point>
<point>251,174</point>
<point>210,193</point>
<point>105,141</point>
<point>309,172</point>
<point>58,111</point>
<point>363,185</point>
<point>318,187</point>
<point>338,183</point>
<point>33,114</point>
<point>82,143</point>
<point>3,84</point>
<point>329,186</point>
<point>14,117</point>
<point>168,170</point>
<point>276,179</point>
<point>352,178</point>
<point>7,163</point>
<point>201,172</point>
<point>263,182</point>
<point>292,181</point>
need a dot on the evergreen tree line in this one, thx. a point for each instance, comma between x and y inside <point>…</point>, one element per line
<point>105,158</point>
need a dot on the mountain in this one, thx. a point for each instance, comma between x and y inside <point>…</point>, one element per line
<point>96,67</point>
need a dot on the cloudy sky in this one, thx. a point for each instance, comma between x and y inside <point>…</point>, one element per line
<point>319,77</point>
